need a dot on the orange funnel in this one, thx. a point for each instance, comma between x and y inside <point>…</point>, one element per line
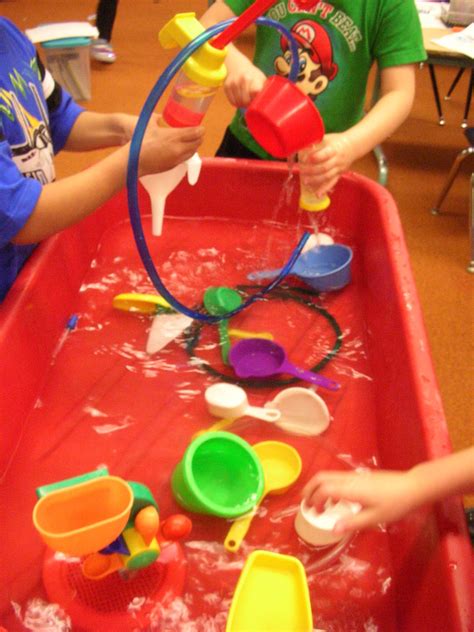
<point>84,518</point>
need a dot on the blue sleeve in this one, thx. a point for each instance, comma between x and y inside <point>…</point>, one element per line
<point>18,196</point>
<point>62,118</point>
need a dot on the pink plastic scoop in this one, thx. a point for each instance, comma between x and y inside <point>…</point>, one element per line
<point>262,358</point>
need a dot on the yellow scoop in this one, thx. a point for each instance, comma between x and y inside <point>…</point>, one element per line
<point>271,594</point>
<point>166,327</point>
<point>281,468</point>
<point>143,303</point>
<point>241,334</point>
<point>149,303</point>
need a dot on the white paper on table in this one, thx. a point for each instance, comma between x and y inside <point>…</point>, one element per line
<point>61,30</point>
<point>430,15</point>
<point>461,42</point>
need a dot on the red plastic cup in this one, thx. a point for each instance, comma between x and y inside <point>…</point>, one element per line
<point>282,119</point>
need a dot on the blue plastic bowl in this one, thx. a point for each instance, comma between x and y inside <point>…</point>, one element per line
<point>325,268</point>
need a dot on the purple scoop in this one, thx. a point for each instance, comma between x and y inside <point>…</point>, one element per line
<point>257,357</point>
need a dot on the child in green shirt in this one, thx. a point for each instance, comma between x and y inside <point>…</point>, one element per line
<point>337,43</point>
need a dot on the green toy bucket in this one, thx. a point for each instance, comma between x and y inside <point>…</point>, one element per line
<point>219,474</point>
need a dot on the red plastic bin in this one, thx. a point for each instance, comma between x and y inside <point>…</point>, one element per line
<point>58,407</point>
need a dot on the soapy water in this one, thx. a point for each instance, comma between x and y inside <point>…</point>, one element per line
<point>136,414</point>
<point>40,616</point>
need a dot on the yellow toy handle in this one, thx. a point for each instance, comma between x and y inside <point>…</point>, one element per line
<point>143,303</point>
<point>240,333</point>
<point>219,425</point>
<point>238,531</point>
<point>206,66</point>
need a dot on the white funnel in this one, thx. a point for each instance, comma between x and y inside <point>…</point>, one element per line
<point>160,185</point>
<point>194,168</point>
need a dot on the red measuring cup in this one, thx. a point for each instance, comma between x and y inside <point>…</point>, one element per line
<point>282,119</point>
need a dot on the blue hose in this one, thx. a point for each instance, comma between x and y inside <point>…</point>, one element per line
<point>132,171</point>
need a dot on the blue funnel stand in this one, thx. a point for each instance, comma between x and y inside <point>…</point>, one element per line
<point>132,172</point>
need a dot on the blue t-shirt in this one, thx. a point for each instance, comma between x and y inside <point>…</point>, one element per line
<point>36,117</point>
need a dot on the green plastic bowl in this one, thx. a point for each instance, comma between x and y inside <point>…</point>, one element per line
<point>219,474</point>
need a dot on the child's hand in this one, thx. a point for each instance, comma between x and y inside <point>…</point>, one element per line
<point>243,83</point>
<point>327,162</point>
<point>127,123</point>
<point>165,147</point>
<point>385,496</point>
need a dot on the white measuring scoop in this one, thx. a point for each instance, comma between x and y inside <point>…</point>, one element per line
<point>317,528</point>
<point>230,401</point>
<point>303,412</point>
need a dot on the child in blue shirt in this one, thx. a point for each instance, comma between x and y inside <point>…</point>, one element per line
<point>37,119</point>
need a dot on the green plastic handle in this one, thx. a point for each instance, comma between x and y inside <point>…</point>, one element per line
<point>224,340</point>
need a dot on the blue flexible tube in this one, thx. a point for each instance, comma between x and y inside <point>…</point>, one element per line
<point>132,171</point>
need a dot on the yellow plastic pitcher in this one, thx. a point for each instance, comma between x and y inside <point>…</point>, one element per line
<point>271,594</point>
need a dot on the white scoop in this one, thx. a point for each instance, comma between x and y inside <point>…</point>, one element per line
<point>303,412</point>
<point>160,185</point>
<point>230,401</point>
<point>316,528</point>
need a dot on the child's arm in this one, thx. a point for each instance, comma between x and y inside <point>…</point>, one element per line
<point>338,151</point>
<point>95,130</point>
<point>70,199</point>
<point>387,496</point>
<point>244,80</point>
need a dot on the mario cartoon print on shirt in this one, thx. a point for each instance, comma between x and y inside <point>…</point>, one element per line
<point>316,64</point>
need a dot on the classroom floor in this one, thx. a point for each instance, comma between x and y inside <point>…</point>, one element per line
<point>419,156</point>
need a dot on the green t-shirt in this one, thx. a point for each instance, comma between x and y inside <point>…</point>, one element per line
<point>338,43</point>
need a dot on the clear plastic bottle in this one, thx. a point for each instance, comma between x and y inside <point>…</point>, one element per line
<point>188,102</point>
<point>309,200</point>
<point>200,77</point>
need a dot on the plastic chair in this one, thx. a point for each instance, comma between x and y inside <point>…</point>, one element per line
<point>436,210</point>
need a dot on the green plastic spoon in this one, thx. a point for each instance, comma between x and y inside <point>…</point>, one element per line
<point>218,301</point>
